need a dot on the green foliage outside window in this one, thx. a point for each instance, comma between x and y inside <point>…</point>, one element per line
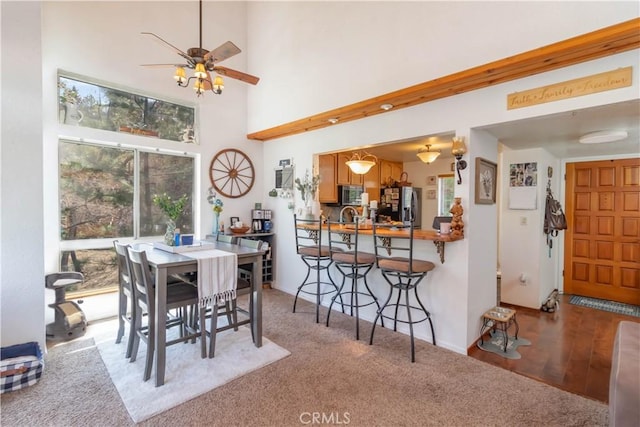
<point>90,105</point>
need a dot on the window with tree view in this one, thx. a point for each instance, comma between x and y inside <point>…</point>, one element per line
<point>99,202</point>
<point>81,103</point>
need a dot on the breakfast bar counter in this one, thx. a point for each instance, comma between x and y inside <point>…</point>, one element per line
<point>388,232</point>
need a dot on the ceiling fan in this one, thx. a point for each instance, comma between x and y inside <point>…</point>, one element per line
<point>204,62</point>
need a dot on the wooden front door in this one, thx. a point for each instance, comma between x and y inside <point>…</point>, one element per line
<point>602,242</point>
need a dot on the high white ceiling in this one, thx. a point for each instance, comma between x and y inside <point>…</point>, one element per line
<point>558,134</point>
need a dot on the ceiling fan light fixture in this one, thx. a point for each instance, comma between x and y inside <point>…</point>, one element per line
<point>218,85</point>
<point>198,86</point>
<point>428,156</point>
<point>200,72</point>
<point>603,137</point>
<point>203,62</point>
<point>181,75</point>
<point>361,164</point>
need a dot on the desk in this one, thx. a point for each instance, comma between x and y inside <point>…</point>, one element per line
<point>167,263</point>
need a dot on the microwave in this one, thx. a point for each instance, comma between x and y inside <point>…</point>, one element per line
<point>350,195</point>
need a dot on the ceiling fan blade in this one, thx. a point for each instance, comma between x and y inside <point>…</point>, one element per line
<point>207,82</point>
<point>172,47</point>
<point>222,52</point>
<point>238,75</point>
<point>163,65</point>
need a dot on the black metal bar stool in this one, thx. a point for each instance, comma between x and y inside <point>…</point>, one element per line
<point>403,274</point>
<point>353,264</point>
<point>316,257</point>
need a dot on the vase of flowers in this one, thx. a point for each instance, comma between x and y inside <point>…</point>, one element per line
<point>172,209</point>
<point>216,207</point>
<point>308,187</point>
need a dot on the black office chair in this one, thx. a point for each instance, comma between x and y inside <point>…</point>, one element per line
<point>403,273</point>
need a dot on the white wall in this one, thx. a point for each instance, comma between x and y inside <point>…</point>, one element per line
<point>21,231</point>
<point>523,248</point>
<point>323,55</point>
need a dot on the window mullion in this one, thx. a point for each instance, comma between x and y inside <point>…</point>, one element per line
<point>136,194</point>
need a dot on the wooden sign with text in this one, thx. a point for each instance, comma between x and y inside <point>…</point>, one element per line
<point>570,89</point>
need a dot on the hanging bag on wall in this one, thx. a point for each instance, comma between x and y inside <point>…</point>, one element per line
<point>554,218</point>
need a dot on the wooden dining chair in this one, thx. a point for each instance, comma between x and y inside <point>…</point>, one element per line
<point>230,308</point>
<point>226,238</point>
<point>125,297</point>
<point>244,284</point>
<point>182,297</point>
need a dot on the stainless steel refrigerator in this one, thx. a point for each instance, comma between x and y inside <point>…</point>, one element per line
<point>402,204</point>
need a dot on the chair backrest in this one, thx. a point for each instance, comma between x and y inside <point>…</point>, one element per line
<point>393,247</point>
<point>250,243</point>
<point>308,235</point>
<point>343,236</point>
<point>142,280</point>
<point>225,238</point>
<point>124,267</point>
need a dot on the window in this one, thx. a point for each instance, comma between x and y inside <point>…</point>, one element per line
<point>106,193</point>
<point>445,194</point>
<point>81,103</point>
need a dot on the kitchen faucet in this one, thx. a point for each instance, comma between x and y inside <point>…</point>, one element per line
<point>354,213</point>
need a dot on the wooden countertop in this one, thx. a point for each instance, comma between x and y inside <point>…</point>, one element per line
<point>387,231</point>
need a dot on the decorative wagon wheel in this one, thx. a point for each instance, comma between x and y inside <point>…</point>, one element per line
<point>231,173</point>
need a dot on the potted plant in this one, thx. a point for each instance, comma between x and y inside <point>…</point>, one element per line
<point>216,207</point>
<point>172,209</point>
<point>308,187</point>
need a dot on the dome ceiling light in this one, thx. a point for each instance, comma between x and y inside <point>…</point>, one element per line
<point>428,156</point>
<point>603,137</point>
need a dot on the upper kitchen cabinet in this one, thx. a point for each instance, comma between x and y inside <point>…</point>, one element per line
<point>372,182</point>
<point>328,188</point>
<point>345,176</point>
<point>388,170</point>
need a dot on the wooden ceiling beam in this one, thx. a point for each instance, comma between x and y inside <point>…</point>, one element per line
<point>597,44</point>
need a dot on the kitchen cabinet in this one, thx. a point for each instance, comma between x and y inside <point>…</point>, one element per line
<point>389,169</point>
<point>328,187</point>
<point>372,182</point>
<point>344,174</point>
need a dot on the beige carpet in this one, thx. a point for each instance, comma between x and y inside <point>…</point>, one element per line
<point>187,375</point>
<point>328,374</point>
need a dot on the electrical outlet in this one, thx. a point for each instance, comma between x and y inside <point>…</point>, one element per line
<point>523,220</point>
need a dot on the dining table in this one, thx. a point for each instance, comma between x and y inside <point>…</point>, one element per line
<point>166,264</point>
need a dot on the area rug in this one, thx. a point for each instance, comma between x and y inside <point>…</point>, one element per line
<point>496,345</point>
<point>187,374</point>
<point>611,306</point>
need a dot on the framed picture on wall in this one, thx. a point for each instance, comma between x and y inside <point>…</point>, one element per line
<point>485,181</point>
<point>431,180</point>
<point>431,194</point>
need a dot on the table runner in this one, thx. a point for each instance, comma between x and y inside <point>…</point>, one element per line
<point>217,276</point>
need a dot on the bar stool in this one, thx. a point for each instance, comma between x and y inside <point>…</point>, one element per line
<point>316,257</point>
<point>352,264</point>
<point>403,274</point>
